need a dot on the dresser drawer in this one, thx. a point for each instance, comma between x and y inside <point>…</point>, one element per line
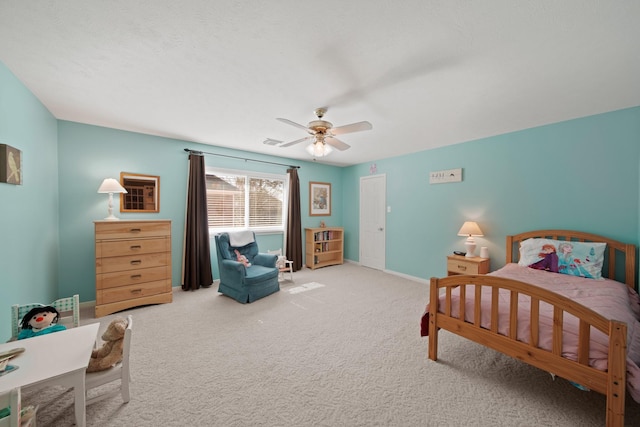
<point>124,293</point>
<point>462,265</point>
<point>132,262</point>
<point>132,277</point>
<point>132,247</point>
<point>132,230</point>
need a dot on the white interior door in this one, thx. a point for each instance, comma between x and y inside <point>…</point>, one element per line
<point>373,196</point>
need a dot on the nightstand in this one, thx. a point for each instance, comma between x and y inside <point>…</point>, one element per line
<point>457,264</point>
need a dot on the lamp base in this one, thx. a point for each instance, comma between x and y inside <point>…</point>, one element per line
<point>471,248</point>
<point>111,216</point>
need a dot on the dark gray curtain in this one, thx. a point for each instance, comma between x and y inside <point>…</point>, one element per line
<point>196,270</point>
<point>294,222</point>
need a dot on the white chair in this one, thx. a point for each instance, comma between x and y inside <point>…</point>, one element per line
<point>69,309</point>
<point>11,401</point>
<point>119,372</point>
<point>283,264</point>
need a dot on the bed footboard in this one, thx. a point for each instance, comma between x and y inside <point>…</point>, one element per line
<point>612,383</point>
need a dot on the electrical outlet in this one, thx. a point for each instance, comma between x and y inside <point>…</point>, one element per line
<point>444,176</point>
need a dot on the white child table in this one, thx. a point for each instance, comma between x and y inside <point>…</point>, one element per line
<point>59,358</point>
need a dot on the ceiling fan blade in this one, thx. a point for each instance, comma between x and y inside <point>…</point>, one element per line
<point>293,124</point>
<point>288,144</point>
<point>271,141</point>
<point>336,143</point>
<point>353,127</point>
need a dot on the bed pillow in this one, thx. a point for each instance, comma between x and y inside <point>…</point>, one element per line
<point>583,259</point>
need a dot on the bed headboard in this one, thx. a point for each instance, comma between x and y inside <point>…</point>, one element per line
<point>619,260</point>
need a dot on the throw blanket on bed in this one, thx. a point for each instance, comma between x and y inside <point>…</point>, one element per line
<point>238,239</point>
<point>609,298</point>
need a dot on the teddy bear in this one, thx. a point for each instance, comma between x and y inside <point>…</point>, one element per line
<point>111,351</point>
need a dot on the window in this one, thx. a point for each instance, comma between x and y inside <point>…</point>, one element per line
<point>247,200</point>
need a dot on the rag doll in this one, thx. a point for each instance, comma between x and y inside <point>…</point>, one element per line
<point>241,258</point>
<point>40,321</point>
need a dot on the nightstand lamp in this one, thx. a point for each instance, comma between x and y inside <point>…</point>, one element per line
<point>110,185</point>
<point>471,230</point>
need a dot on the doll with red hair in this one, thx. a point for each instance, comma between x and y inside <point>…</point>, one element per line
<point>549,261</point>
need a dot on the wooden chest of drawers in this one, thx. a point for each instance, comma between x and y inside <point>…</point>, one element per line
<point>133,264</point>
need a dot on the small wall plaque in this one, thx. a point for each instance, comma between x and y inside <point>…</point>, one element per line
<point>10,165</point>
<point>449,175</point>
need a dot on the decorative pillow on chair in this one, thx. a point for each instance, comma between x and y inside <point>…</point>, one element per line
<point>583,259</point>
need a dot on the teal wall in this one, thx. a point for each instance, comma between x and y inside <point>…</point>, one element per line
<point>28,212</point>
<point>580,174</point>
<point>88,154</point>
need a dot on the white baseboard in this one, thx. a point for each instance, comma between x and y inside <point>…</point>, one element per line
<point>395,273</point>
<point>408,277</point>
<point>88,304</point>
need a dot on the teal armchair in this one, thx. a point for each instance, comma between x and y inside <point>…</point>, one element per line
<point>245,284</point>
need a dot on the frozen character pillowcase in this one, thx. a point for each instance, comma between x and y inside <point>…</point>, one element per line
<point>582,259</point>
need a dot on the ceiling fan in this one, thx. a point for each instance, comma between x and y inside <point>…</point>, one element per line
<point>322,133</point>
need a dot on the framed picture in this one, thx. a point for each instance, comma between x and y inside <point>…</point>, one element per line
<point>319,198</point>
<point>10,165</point>
<point>143,193</point>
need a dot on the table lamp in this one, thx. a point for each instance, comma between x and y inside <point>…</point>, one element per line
<point>471,230</point>
<point>110,185</point>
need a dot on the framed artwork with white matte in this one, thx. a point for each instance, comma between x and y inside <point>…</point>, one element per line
<point>319,198</point>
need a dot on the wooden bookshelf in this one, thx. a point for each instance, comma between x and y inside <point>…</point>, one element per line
<point>324,246</point>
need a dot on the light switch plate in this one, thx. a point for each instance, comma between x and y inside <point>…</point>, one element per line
<point>445,176</point>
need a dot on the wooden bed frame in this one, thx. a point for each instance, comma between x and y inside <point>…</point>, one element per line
<point>619,257</point>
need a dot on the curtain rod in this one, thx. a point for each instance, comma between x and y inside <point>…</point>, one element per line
<point>199,153</point>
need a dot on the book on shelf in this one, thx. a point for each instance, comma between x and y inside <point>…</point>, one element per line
<point>322,246</point>
<point>325,235</point>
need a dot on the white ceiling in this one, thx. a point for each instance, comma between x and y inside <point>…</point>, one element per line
<point>425,73</point>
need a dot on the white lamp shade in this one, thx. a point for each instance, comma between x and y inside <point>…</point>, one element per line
<point>110,185</point>
<point>470,228</point>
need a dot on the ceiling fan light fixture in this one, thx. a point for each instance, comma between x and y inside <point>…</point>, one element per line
<point>324,134</point>
<point>319,149</point>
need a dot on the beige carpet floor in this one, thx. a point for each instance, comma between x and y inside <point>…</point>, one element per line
<point>344,354</point>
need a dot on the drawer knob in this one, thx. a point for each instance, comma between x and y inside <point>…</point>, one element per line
<point>135,247</point>
<point>462,268</point>
<point>136,262</point>
<point>136,291</point>
<point>136,276</point>
<point>135,230</point>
